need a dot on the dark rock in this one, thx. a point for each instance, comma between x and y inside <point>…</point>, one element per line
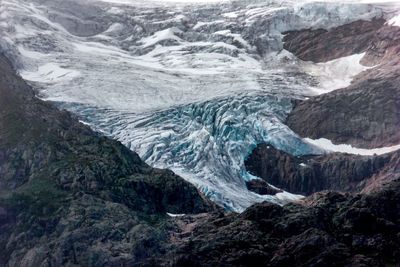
<point>366,114</point>
<point>310,174</point>
<point>328,229</point>
<point>323,45</point>
<point>311,248</point>
<point>261,187</point>
<point>262,211</point>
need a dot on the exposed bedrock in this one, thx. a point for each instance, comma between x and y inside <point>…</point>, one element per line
<point>261,187</point>
<point>308,174</point>
<point>322,45</point>
<point>367,113</point>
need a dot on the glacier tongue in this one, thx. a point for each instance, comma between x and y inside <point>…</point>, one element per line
<point>206,142</point>
<point>192,89</point>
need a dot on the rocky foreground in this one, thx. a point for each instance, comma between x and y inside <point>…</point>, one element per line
<point>69,197</point>
<point>327,229</point>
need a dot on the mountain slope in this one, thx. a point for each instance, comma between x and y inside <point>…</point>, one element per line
<point>367,113</point>
<point>69,196</point>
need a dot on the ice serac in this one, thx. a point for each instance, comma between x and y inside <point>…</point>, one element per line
<point>190,89</point>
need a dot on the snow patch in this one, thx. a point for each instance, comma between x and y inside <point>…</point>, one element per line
<point>30,54</point>
<point>395,21</point>
<point>175,215</point>
<point>235,36</point>
<point>337,73</point>
<point>115,10</point>
<point>288,197</point>
<point>327,145</point>
<point>231,15</point>
<point>115,27</point>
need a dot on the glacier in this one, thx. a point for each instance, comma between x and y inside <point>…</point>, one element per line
<point>189,87</point>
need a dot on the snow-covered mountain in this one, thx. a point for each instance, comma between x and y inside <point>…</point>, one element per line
<point>190,87</point>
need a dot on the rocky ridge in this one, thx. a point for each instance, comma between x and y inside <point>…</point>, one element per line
<point>313,173</point>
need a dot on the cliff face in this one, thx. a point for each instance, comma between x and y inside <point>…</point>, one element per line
<point>309,174</point>
<point>69,196</point>
<point>324,45</point>
<point>367,113</point>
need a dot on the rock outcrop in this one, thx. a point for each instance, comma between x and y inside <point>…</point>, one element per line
<point>324,45</point>
<point>313,173</point>
<point>261,187</point>
<point>367,113</point>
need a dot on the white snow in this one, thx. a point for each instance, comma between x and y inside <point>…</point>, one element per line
<point>115,27</point>
<point>201,24</point>
<point>327,145</point>
<point>31,54</point>
<point>115,10</point>
<point>288,197</point>
<point>395,21</point>
<point>167,34</point>
<point>50,73</point>
<point>235,36</point>
<point>231,15</point>
<point>158,2</point>
<point>175,215</point>
<point>337,73</point>
<point>303,165</point>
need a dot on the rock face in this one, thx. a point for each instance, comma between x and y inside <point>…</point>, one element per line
<point>261,187</point>
<point>323,45</point>
<point>309,174</point>
<point>71,197</point>
<point>328,229</point>
<point>367,113</point>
